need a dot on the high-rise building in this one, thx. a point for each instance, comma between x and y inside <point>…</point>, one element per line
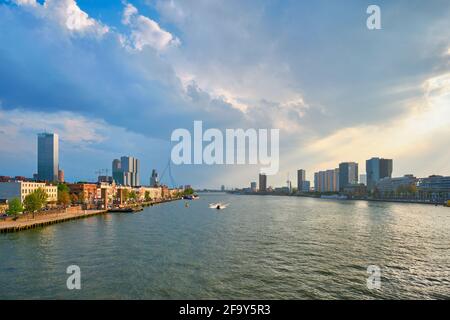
<point>301,176</point>
<point>48,157</point>
<point>262,182</point>
<point>326,181</point>
<point>376,169</point>
<point>253,186</point>
<point>348,174</point>
<point>126,171</point>
<point>154,179</point>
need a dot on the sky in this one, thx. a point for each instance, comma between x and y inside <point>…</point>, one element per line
<point>116,77</point>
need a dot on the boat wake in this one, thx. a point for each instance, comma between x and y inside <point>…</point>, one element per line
<point>218,205</point>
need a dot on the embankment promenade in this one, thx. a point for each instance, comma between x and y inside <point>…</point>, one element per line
<point>27,221</point>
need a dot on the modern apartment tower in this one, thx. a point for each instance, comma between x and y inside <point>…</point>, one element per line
<point>48,157</point>
<point>126,171</point>
<point>301,176</point>
<point>262,182</point>
<point>376,169</point>
<point>326,181</point>
<point>348,174</point>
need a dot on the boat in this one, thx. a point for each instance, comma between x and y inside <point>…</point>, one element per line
<point>191,197</point>
<point>334,197</point>
<point>218,205</point>
<point>127,209</point>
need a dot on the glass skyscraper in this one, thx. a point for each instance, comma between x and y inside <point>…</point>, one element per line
<point>126,171</point>
<point>348,174</point>
<point>48,157</point>
<point>376,169</point>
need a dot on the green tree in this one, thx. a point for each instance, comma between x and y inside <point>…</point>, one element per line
<point>147,196</point>
<point>32,203</point>
<point>63,187</point>
<point>132,195</point>
<point>188,191</point>
<point>15,207</point>
<point>63,198</point>
<point>42,196</point>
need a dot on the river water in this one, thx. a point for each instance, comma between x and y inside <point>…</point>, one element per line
<point>260,247</point>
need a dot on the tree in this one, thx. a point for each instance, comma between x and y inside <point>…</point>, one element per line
<point>147,196</point>
<point>63,198</point>
<point>35,200</point>
<point>42,196</point>
<point>15,207</point>
<point>188,191</point>
<point>32,203</point>
<point>63,187</point>
<point>132,195</point>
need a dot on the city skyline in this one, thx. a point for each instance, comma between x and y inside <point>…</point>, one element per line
<point>142,69</point>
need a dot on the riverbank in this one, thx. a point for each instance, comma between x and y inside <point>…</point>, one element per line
<point>348,199</point>
<point>41,220</point>
<point>45,220</point>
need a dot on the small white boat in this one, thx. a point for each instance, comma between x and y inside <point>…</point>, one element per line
<point>218,205</point>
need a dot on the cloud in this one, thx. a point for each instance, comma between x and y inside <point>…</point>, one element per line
<point>67,13</point>
<point>145,31</point>
<point>325,81</point>
<point>409,139</point>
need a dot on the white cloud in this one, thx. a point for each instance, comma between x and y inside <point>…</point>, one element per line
<point>409,139</point>
<point>145,31</point>
<point>26,2</point>
<point>67,13</point>
<point>128,12</point>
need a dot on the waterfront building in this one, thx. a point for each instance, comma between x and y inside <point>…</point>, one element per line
<point>363,179</point>
<point>48,157</point>
<point>376,169</point>
<point>126,171</point>
<point>434,187</point>
<point>326,181</point>
<point>253,187</point>
<point>86,192</point>
<point>301,176</point>
<point>348,174</point>
<point>390,187</point>
<point>154,193</point>
<point>222,188</point>
<point>262,182</point>
<point>20,189</point>
<point>60,175</point>
<point>355,190</point>
<point>154,179</point>
<point>305,187</point>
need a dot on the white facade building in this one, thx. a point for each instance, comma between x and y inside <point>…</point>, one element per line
<point>20,189</point>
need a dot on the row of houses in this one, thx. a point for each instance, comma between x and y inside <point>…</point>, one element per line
<point>86,193</point>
